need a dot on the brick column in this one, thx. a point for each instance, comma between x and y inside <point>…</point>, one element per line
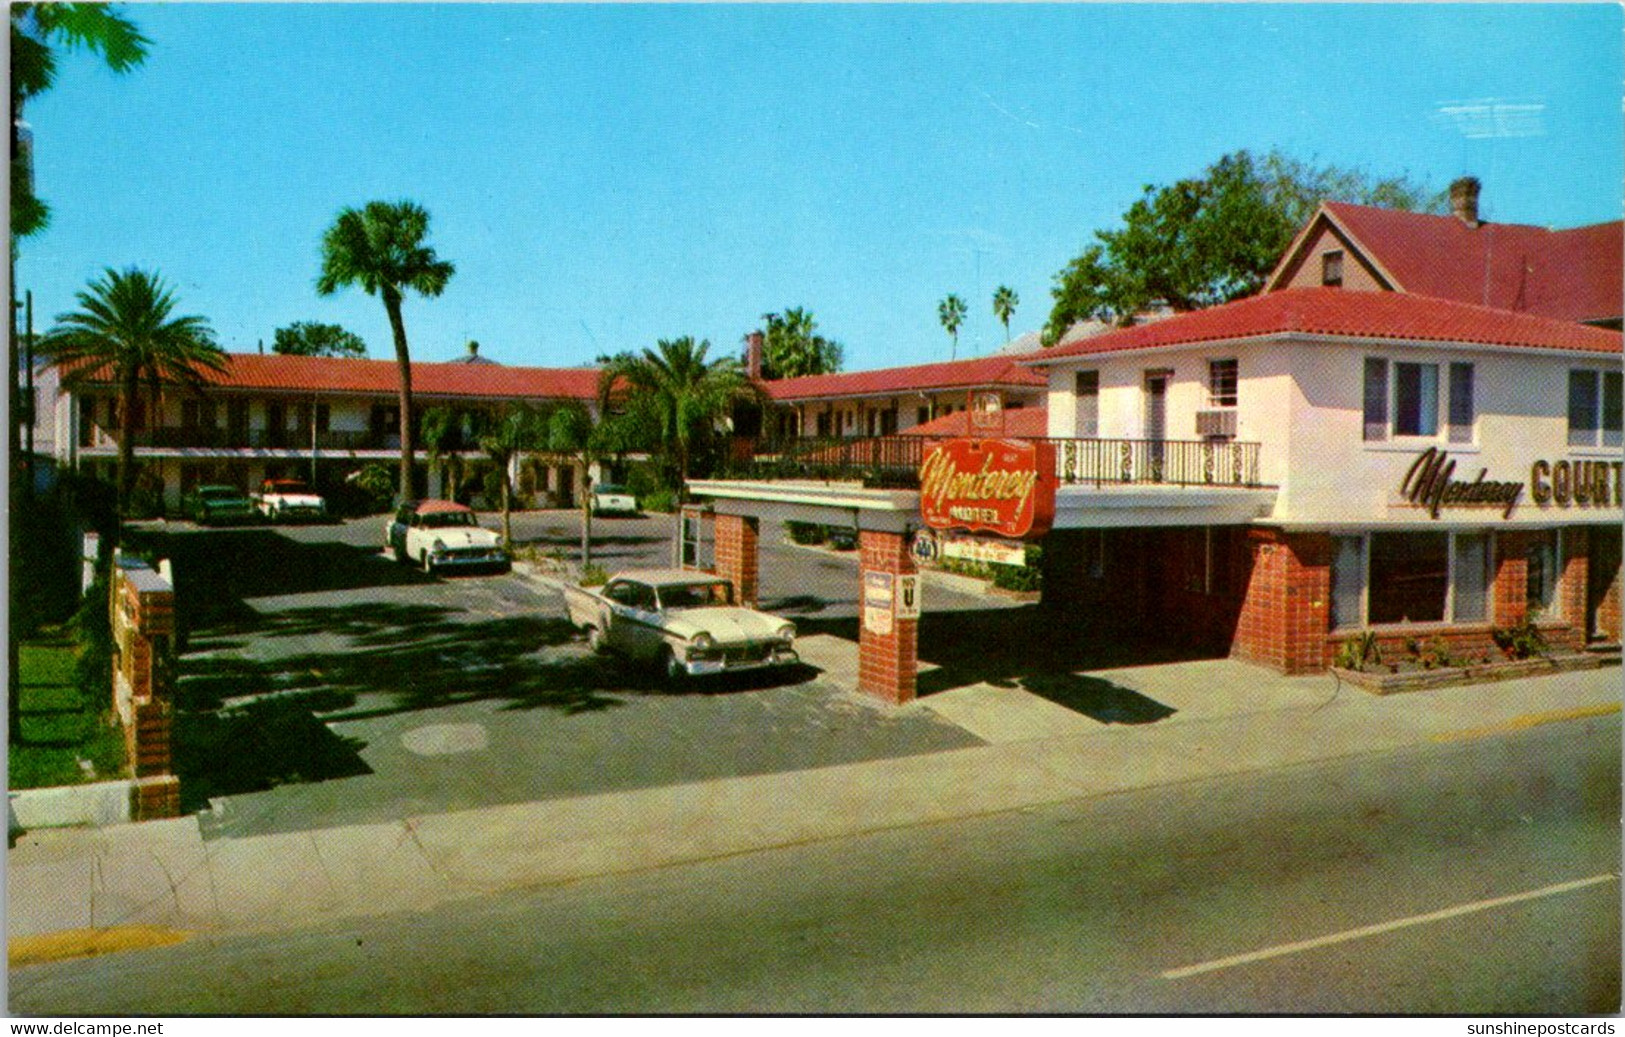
<point>144,632</point>
<point>1286,611</point>
<point>887,663</point>
<point>736,538</point>
<point>1511,589</point>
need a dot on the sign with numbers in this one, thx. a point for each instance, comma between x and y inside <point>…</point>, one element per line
<point>908,597</point>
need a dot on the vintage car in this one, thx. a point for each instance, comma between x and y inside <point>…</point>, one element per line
<point>684,621</point>
<point>611,499</point>
<point>441,534</point>
<point>281,499</point>
<point>207,504</point>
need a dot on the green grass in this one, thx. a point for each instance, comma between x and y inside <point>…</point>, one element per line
<point>58,727</point>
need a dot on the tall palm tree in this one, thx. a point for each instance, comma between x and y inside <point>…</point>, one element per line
<point>125,330</point>
<point>381,248</point>
<point>516,431</point>
<point>951,311</point>
<point>1005,301</point>
<point>688,393</point>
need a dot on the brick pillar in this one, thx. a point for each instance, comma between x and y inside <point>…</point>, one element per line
<point>736,538</point>
<point>1572,584</point>
<point>1286,610</point>
<point>887,662</point>
<point>1511,579</point>
<point>143,687</point>
<point>1606,552</point>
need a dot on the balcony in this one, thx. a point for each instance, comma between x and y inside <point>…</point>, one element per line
<point>200,438</point>
<point>893,462</point>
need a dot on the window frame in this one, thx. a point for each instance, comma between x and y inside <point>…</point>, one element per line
<point>1380,414</point>
<point>1092,431</point>
<point>1452,561</point>
<point>1603,384</point>
<point>1331,268</point>
<point>1215,398</point>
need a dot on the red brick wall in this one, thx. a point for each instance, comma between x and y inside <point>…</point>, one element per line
<point>1286,613</point>
<point>141,659</point>
<point>1608,607</point>
<point>887,663</point>
<point>736,556</point>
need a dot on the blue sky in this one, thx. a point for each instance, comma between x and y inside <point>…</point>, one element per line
<point>606,176</point>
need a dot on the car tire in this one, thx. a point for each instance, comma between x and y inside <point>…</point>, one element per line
<point>596,640</point>
<point>670,668</point>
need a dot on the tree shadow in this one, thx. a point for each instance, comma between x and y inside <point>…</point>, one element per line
<point>258,746</point>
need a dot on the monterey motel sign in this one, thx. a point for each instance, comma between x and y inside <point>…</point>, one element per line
<point>1001,486</point>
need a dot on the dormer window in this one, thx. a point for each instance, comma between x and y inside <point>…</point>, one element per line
<point>1331,268</point>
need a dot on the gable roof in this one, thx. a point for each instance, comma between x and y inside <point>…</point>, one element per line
<point>1576,274</point>
<point>1366,315</point>
<point>325,374</point>
<point>990,372</point>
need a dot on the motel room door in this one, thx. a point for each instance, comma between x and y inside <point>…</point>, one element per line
<point>1156,421</point>
<point>1602,569</point>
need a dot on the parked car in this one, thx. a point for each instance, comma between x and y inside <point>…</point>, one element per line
<point>290,499</point>
<point>611,499</point>
<point>441,534</point>
<point>208,504</point>
<point>684,621</point>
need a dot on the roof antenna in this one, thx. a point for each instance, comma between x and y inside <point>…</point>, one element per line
<point>262,347</point>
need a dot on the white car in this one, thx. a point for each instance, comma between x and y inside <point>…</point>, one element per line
<point>280,499</point>
<point>685,621</point>
<point>441,534</point>
<point>611,499</point>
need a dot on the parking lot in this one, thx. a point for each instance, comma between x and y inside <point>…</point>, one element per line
<point>322,684</point>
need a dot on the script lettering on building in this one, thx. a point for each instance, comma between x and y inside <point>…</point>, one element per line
<point>1000,486</point>
<point>1430,483</point>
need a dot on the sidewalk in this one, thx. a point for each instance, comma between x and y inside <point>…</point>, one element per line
<point>1227,718</point>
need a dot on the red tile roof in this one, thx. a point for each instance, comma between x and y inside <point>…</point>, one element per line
<point>342,375</point>
<point>960,374</point>
<point>1022,423</point>
<point>1332,311</point>
<point>1576,274</point>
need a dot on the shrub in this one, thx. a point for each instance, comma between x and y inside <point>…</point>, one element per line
<point>662,501</point>
<point>1521,641</point>
<point>378,483</point>
<point>805,532</point>
<point>1358,651</point>
<point>1017,577</point>
<point>93,671</point>
<point>594,575</point>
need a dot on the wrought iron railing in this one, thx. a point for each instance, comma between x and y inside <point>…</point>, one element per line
<point>894,461</point>
<point>258,439</point>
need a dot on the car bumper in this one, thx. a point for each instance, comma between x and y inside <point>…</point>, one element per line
<point>482,560</point>
<point>710,666</point>
<point>615,508</point>
<point>284,511</point>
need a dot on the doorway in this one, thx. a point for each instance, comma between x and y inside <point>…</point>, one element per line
<point>1602,573</point>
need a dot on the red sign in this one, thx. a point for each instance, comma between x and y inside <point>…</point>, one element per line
<point>1000,486</point>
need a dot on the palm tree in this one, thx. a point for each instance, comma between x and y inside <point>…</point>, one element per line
<point>124,330</point>
<point>34,29</point>
<point>442,437</point>
<point>381,248</point>
<point>1005,301</point>
<point>688,394</point>
<point>515,431</point>
<point>951,311</point>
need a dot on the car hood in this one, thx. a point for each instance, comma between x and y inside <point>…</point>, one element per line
<point>726,624</point>
<point>455,538</point>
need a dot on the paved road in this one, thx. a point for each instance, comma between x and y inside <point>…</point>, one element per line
<point>1478,876</point>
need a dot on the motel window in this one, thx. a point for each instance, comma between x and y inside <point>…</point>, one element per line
<point>1331,268</point>
<point>1348,581</point>
<point>1409,577</point>
<point>1416,399</point>
<point>1461,403</point>
<point>922,415</point>
<point>1541,573</point>
<point>1376,399</point>
<point>1595,408</point>
<point>1088,395</point>
<point>1221,383</point>
<point>1471,568</point>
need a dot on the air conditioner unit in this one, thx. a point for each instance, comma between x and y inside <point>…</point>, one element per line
<point>1217,423</point>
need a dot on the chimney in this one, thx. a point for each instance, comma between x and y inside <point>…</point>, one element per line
<point>473,350</point>
<point>753,354</point>
<point>1464,200</point>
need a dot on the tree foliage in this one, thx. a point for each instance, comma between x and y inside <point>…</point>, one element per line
<point>313,338</point>
<point>676,392</point>
<point>125,331</point>
<point>517,430</point>
<point>1211,239</point>
<point>1005,301</point>
<point>382,249</point>
<point>951,312</point>
<point>35,30</point>
<point>792,346</point>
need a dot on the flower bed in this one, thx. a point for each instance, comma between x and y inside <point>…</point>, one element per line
<point>1383,682</point>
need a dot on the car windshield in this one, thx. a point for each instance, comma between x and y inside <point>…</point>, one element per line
<point>696,595</point>
<point>442,519</point>
<point>609,487</point>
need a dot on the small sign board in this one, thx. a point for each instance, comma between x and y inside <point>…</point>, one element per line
<point>999,552</point>
<point>908,597</point>
<point>879,598</point>
<point>924,546</point>
<point>986,414</point>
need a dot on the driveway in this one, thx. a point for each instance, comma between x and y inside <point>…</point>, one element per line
<point>322,685</point>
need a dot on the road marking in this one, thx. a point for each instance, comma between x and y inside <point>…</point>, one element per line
<point>1384,927</point>
<point>87,943</point>
<point>1529,720</point>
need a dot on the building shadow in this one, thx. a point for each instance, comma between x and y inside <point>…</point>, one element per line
<point>1096,698</point>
